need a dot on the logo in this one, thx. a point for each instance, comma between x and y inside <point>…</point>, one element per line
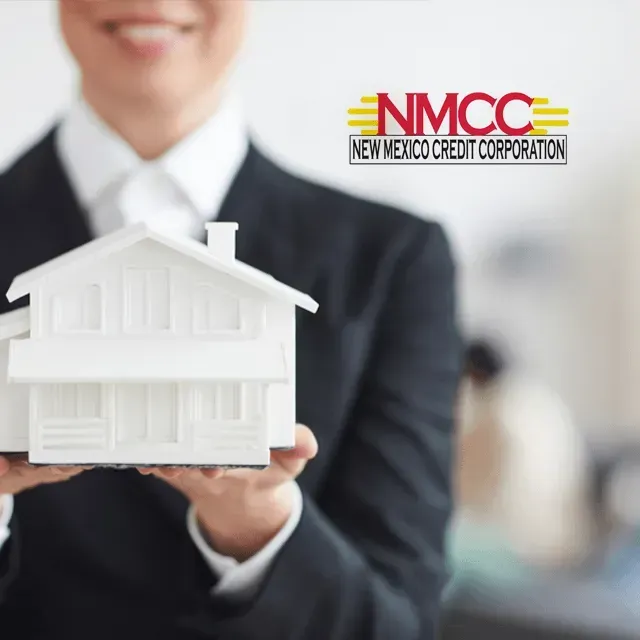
<point>476,128</point>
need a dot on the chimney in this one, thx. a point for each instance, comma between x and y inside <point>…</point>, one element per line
<point>221,239</point>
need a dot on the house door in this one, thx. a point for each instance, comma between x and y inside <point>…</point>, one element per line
<point>147,413</point>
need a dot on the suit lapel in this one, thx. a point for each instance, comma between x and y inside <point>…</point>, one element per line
<point>271,235</point>
<point>242,205</point>
<point>54,198</point>
<point>42,219</point>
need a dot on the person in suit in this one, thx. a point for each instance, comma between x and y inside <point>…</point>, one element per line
<point>343,536</point>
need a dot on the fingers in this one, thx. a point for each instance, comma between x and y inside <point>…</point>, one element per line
<point>212,474</point>
<point>161,472</point>
<point>23,468</point>
<point>19,475</point>
<point>65,471</point>
<point>34,475</point>
<point>170,473</point>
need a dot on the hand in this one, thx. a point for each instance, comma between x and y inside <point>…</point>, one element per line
<point>241,510</point>
<point>18,475</point>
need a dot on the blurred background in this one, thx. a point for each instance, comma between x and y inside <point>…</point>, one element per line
<point>546,539</point>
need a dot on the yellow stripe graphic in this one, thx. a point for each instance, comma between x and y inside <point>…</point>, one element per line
<point>541,101</point>
<point>370,126</point>
<point>550,123</point>
<point>551,111</point>
<point>538,132</point>
<point>362,123</point>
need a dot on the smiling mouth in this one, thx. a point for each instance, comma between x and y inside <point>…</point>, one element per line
<point>141,32</point>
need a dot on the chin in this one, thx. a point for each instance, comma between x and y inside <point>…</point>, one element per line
<point>155,86</point>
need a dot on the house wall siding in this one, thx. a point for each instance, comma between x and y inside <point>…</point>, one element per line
<point>125,295</point>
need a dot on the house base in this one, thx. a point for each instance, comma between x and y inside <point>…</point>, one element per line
<point>146,456</point>
<point>104,465</point>
<point>23,456</point>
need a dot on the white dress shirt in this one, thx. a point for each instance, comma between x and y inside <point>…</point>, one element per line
<point>176,194</point>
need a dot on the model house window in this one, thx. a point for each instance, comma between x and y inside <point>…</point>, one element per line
<point>78,312</point>
<point>215,310</point>
<point>64,401</point>
<point>220,402</point>
<point>148,304</point>
<point>146,413</point>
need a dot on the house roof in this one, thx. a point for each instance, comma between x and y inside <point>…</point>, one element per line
<point>101,248</point>
<point>14,323</point>
<point>148,361</point>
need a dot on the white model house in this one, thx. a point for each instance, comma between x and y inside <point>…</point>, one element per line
<point>143,349</point>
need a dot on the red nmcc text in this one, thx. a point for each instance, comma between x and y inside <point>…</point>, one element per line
<point>454,109</point>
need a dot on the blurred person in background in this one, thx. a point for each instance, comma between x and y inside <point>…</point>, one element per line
<point>480,436</point>
<point>477,545</point>
<point>523,466</point>
<point>351,548</point>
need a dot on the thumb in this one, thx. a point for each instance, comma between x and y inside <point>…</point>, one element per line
<point>294,460</point>
<point>306,446</point>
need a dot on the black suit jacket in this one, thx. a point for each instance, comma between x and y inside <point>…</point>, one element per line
<point>107,554</point>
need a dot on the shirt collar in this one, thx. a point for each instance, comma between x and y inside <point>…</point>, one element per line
<point>202,165</point>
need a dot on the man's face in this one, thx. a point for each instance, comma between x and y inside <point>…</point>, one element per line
<point>160,50</point>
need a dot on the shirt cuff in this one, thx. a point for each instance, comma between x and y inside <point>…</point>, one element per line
<point>6,504</point>
<point>243,579</point>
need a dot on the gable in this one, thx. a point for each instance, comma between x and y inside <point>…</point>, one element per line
<point>99,250</point>
<point>148,256</point>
